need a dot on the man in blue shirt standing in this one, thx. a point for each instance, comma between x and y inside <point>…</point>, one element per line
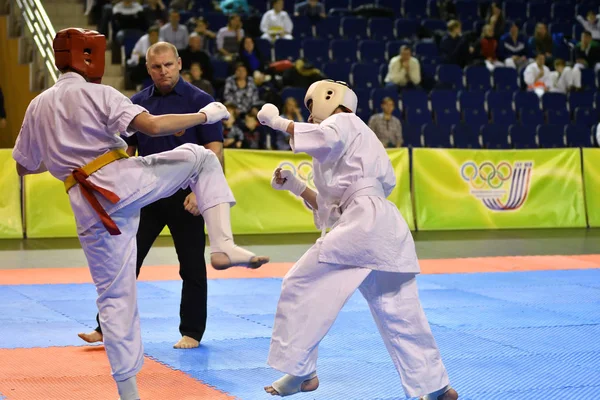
<point>170,94</point>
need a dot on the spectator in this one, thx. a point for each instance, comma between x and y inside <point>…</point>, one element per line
<point>250,56</point>
<point>488,47</point>
<point>513,48</point>
<point>292,112</point>
<point>591,24</point>
<point>175,33</point>
<point>2,111</point>
<point>537,75</point>
<point>156,12</point>
<point>141,46</point>
<point>564,79</point>
<point>276,23</point>
<point>254,133</point>
<point>232,134</point>
<point>240,89</point>
<point>404,70</point>
<point>450,44</point>
<point>496,20</point>
<point>586,54</point>
<point>187,76</point>
<point>229,7</point>
<point>198,80</point>
<point>386,126</point>
<point>193,53</point>
<point>310,8</point>
<point>206,34</point>
<point>229,38</point>
<point>181,5</point>
<point>128,14</point>
<point>541,42</point>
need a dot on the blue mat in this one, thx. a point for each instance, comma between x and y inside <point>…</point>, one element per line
<point>525,335</point>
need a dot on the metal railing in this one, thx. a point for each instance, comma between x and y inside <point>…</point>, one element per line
<point>41,32</point>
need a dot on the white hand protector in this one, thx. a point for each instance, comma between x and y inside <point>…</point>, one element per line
<point>215,112</point>
<point>269,116</point>
<point>598,135</point>
<point>284,179</point>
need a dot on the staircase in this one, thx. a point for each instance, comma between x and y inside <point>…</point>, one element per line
<point>69,13</point>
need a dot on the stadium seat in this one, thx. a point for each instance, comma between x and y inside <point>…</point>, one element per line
<point>468,99</point>
<point>328,28</point>
<point>303,27</point>
<point>498,100</point>
<point>505,116</point>
<point>371,51</point>
<point>477,78</point>
<point>495,136</point>
<point>465,137</point>
<point>405,28</point>
<point>436,135</point>
<point>475,117</point>
<point>523,136</point>
<point>354,28</point>
<point>378,94</point>
<point>338,71</point>
<point>505,79</point>
<point>554,101</point>
<point>414,98</point>
<point>364,76</point>
<point>578,136</point>
<point>558,117</point>
<point>531,116</point>
<point>585,116</point>
<point>450,76</point>
<point>581,99</point>
<point>287,49</point>
<point>412,135</point>
<point>296,93</point>
<point>381,29</point>
<point>343,50</point>
<point>315,50</point>
<point>550,136</point>
<point>525,100</point>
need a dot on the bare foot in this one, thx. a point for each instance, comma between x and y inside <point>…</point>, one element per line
<point>92,337</point>
<point>451,394</point>
<point>307,386</point>
<point>221,261</point>
<point>186,342</point>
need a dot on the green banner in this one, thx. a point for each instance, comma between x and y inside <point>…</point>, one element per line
<point>591,174</point>
<point>11,224</point>
<point>261,209</point>
<point>490,189</point>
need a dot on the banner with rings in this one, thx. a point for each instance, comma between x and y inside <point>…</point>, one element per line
<point>11,224</point>
<point>591,173</point>
<point>261,209</point>
<point>492,189</point>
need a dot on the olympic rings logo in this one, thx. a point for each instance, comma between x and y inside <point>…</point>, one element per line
<point>486,173</point>
<point>304,171</point>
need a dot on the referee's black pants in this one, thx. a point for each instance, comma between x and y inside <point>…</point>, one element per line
<point>187,232</point>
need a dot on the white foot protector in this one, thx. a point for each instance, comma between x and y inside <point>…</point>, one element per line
<point>289,384</point>
<point>437,393</point>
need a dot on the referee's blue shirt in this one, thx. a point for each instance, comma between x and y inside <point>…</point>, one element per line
<point>184,98</point>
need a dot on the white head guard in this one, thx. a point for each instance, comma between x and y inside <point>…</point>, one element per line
<point>327,95</point>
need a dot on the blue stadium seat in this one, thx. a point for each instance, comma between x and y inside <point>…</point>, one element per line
<point>467,10</point>
<point>531,116</point>
<point>287,49</point>
<point>296,93</point>
<point>505,79</point>
<point>550,136</point>
<point>220,69</point>
<point>264,46</point>
<point>596,101</point>
<point>338,71</point>
<point>558,117</point>
<point>577,30</point>
<point>381,29</point>
<point>477,78</point>
<point>414,9</point>
<point>504,116</point>
<point>343,50</point>
<point>405,28</point>
<point>447,116</point>
<point>449,75</point>
<point>538,11</point>
<point>364,104</point>
<point>498,99</point>
<point>528,29</point>
<point>130,38</point>
<point>436,135</point>
<point>578,136</point>
<point>364,76</point>
<point>215,20</point>
<point>354,28</point>
<point>588,80</point>
<point>357,3</point>
<point>411,135</point>
<point>303,27</point>
<point>554,101</point>
<point>392,48</point>
<point>514,10</point>
<point>560,27</point>
<point>371,51</point>
<point>414,98</point>
<point>383,70</point>
<point>328,28</point>
<point>315,50</point>
<point>523,136</point>
<point>434,25</point>
<point>585,116</point>
<point>427,49</point>
<point>581,99</point>
<point>495,136</point>
<point>584,7</point>
<point>432,9</point>
<point>525,100</point>
<point>416,115</point>
<point>394,5</point>
<point>378,94</point>
<point>475,117</point>
<point>465,136</point>
<point>441,99</point>
<point>470,99</point>
<point>329,4</point>
<point>562,12</point>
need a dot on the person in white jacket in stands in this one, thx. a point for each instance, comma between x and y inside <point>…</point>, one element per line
<point>276,23</point>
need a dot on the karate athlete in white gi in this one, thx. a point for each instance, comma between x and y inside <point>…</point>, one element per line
<point>73,131</point>
<point>369,247</point>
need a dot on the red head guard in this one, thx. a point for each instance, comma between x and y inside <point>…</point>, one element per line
<point>69,47</point>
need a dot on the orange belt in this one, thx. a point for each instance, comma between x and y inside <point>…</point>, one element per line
<point>80,175</point>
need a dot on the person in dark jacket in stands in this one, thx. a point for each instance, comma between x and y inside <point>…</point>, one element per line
<point>450,44</point>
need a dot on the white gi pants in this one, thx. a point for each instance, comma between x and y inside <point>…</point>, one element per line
<point>313,294</point>
<point>112,259</point>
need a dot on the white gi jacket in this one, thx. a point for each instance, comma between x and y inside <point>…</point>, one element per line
<point>353,175</point>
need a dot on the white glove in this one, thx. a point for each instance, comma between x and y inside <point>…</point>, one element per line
<point>598,135</point>
<point>215,112</point>
<point>269,116</point>
<point>284,179</point>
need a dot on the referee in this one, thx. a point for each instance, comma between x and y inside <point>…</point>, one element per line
<point>170,94</point>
